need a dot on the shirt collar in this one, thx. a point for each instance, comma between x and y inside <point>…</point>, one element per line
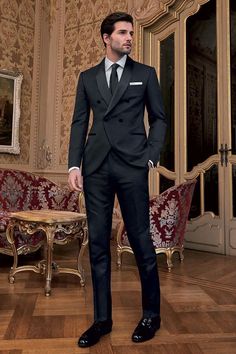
<point>121,62</point>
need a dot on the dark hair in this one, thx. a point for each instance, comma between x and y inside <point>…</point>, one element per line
<point>108,23</point>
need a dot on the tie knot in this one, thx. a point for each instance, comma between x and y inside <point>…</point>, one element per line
<point>115,66</point>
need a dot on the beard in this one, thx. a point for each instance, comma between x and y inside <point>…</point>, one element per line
<point>121,50</point>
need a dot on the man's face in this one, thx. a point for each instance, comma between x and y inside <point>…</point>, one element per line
<point>120,41</point>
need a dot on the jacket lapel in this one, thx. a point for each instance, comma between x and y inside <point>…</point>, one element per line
<point>102,83</point>
<point>122,85</point>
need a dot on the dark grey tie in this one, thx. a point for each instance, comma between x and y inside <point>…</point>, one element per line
<point>113,78</point>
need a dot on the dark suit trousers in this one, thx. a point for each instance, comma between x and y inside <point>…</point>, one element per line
<point>131,185</point>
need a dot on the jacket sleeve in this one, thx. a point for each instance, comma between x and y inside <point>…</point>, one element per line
<point>79,126</point>
<point>156,117</point>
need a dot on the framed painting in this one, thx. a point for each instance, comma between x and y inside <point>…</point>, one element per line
<point>10,93</point>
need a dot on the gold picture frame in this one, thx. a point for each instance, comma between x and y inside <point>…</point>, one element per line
<point>10,94</point>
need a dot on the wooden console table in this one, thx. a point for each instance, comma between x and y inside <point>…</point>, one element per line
<point>51,222</point>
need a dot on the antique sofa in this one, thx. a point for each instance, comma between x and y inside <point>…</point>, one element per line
<point>168,218</point>
<point>21,190</point>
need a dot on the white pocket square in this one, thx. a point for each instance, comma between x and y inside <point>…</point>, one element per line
<point>136,83</point>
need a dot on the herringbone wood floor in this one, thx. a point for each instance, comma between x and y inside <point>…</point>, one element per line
<point>198,308</point>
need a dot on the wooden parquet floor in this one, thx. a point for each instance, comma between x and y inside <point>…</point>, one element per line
<point>198,308</point>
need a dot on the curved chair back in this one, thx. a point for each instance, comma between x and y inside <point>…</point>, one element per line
<point>168,219</point>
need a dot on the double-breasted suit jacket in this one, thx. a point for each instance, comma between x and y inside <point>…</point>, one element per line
<point>118,120</point>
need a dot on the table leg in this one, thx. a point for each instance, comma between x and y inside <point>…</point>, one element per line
<point>80,256</point>
<point>50,231</point>
<point>10,238</point>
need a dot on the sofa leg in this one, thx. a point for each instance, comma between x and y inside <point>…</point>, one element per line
<point>181,256</point>
<point>11,279</point>
<point>169,259</point>
<point>119,258</point>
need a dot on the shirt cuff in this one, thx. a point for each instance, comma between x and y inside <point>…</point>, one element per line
<point>73,168</point>
<point>150,164</point>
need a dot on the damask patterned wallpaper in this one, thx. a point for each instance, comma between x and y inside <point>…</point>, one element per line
<point>83,48</point>
<point>16,53</point>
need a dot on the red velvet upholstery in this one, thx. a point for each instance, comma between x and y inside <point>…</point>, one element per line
<point>25,191</point>
<point>168,217</point>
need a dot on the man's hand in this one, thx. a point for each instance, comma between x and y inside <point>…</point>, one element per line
<point>75,180</point>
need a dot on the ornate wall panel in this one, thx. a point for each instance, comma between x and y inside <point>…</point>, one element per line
<point>16,53</point>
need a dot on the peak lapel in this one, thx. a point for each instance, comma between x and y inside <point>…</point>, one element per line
<point>122,85</point>
<point>102,83</point>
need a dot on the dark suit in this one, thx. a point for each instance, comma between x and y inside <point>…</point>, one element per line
<point>114,160</point>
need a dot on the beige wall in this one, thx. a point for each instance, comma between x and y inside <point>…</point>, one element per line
<point>51,42</point>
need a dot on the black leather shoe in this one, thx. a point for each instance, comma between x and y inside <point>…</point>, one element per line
<point>94,333</point>
<point>146,329</point>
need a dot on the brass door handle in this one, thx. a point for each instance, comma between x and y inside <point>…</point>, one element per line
<point>224,154</point>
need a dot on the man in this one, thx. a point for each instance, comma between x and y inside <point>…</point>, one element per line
<point>116,158</point>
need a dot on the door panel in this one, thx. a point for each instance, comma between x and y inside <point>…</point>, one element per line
<point>201,69</point>
<point>167,81</point>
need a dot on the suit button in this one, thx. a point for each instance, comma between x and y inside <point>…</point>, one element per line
<point>98,101</point>
<point>120,120</point>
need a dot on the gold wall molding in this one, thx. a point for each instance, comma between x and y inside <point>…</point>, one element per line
<point>45,156</point>
<point>56,85</point>
<point>151,9</point>
<point>48,84</point>
<point>40,82</point>
<point>50,8</point>
<point>35,107</point>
